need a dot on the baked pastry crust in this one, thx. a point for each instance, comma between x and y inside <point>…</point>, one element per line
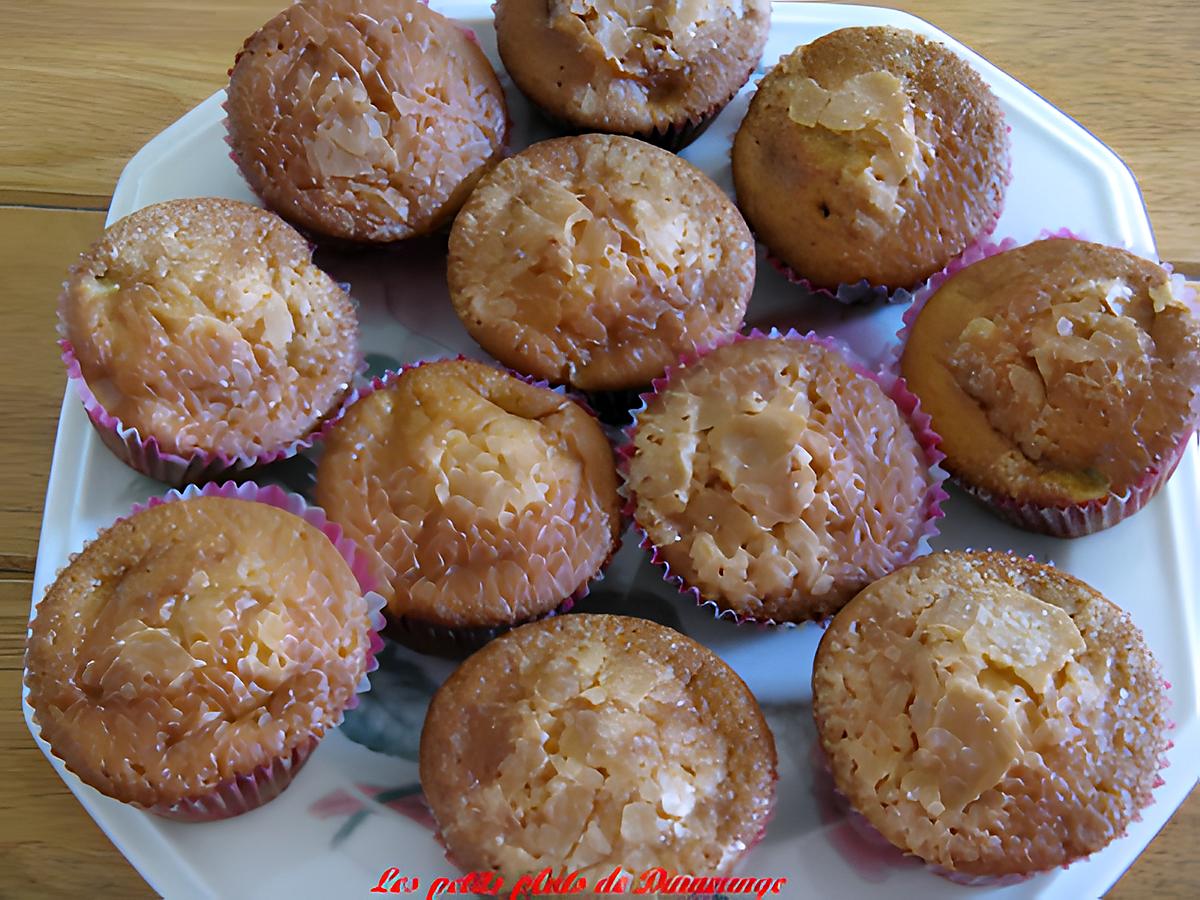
<point>481,499</point>
<point>192,643</point>
<point>990,714</point>
<point>871,153</point>
<point>367,120</point>
<point>591,741</point>
<point>597,261</point>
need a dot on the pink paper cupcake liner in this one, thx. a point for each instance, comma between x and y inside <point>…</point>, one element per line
<point>908,404</point>
<point>241,794</point>
<point>244,792</point>
<point>146,456</point>
<point>432,638</point>
<point>1064,521</point>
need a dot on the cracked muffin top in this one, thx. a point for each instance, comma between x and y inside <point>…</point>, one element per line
<point>590,741</point>
<point>990,714</point>
<point>482,500</point>
<point>205,325</point>
<point>871,154</point>
<point>597,261</point>
<point>1057,372</point>
<point>631,66</point>
<point>193,642</point>
<point>367,120</point>
<point>777,480</point>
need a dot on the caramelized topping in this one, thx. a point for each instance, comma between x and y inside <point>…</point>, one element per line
<point>205,325</point>
<point>599,260</point>
<point>192,643</point>
<point>871,154</point>
<point>364,119</point>
<point>640,39</point>
<point>483,500</point>
<point>972,704</point>
<point>876,110</point>
<point>777,480</point>
<point>605,741</point>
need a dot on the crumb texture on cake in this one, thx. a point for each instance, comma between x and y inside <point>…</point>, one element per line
<point>990,714</point>
<point>365,119</point>
<point>871,154</point>
<point>630,65</point>
<point>205,325</point>
<point>777,480</point>
<point>192,643</point>
<point>482,500</point>
<point>1080,365</point>
<point>598,260</point>
<point>591,741</point>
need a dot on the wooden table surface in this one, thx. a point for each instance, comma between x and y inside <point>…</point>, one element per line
<point>85,84</point>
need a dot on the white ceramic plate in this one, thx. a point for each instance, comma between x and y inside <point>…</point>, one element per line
<point>352,813</point>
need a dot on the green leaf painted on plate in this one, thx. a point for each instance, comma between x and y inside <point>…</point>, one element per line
<point>347,828</point>
<point>388,718</point>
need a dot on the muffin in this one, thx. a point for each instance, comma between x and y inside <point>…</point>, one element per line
<point>202,338</point>
<point>364,120</point>
<point>597,261</point>
<point>775,480</point>
<point>587,742</point>
<point>482,501</point>
<point>871,155</point>
<point>1063,377</point>
<point>189,659</point>
<point>989,714</point>
<point>658,70</point>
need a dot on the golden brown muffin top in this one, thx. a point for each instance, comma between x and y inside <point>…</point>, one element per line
<point>205,325</point>
<point>1058,371</point>
<point>481,499</point>
<point>591,741</point>
<point>192,643</point>
<point>369,120</point>
<point>777,480</point>
<point>631,66</point>
<point>990,714</point>
<point>598,260</point>
<point>871,153</point>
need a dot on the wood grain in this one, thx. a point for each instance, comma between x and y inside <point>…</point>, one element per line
<point>49,847</point>
<point>88,89</point>
<point>85,85</point>
<point>36,246</point>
